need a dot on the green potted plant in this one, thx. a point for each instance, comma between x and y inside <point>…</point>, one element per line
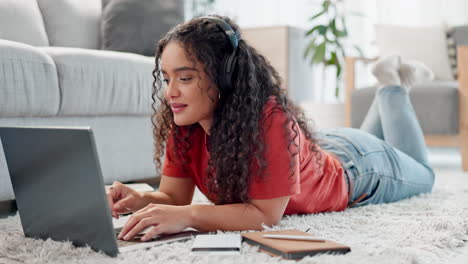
<point>326,44</point>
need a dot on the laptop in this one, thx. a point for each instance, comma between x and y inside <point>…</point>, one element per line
<point>59,189</point>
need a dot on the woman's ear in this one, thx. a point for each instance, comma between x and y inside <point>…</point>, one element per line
<point>213,93</point>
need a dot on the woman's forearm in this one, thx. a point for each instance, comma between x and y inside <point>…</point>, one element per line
<point>231,217</point>
<point>157,198</point>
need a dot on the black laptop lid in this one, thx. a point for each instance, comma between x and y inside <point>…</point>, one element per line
<point>58,185</point>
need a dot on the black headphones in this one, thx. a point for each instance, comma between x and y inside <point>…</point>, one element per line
<point>228,63</point>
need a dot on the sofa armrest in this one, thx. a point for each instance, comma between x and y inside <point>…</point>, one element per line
<point>350,83</point>
<point>28,81</point>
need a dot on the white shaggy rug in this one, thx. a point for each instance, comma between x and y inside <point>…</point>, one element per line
<point>424,229</point>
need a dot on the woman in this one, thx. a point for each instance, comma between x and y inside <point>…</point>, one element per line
<point>223,124</point>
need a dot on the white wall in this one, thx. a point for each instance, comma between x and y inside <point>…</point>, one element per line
<point>422,12</point>
<point>253,13</point>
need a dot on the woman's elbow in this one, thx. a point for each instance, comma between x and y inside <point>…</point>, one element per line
<point>271,221</point>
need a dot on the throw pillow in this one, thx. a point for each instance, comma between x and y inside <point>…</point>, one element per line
<point>425,44</point>
<point>456,36</point>
<point>21,21</point>
<point>452,50</point>
<point>137,25</point>
<point>72,23</point>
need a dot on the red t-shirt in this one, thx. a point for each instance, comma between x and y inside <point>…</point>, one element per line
<point>314,186</point>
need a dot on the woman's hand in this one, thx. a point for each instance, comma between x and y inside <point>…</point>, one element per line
<point>164,219</point>
<point>123,199</point>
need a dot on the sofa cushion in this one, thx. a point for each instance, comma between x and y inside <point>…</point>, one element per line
<point>97,82</point>
<point>28,81</point>
<point>72,23</point>
<point>435,104</point>
<point>425,44</point>
<point>22,21</point>
<point>136,26</point>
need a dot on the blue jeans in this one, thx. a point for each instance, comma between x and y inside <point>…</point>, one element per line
<point>386,160</point>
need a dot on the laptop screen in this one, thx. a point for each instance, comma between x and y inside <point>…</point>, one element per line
<point>58,185</point>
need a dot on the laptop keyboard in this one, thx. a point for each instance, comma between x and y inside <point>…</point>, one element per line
<point>119,223</point>
<point>181,236</point>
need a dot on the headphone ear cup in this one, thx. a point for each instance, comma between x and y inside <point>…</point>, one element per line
<point>228,67</point>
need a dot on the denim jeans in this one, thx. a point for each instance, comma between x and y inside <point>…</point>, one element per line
<point>386,160</point>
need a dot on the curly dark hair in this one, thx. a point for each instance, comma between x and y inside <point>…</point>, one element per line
<point>236,140</point>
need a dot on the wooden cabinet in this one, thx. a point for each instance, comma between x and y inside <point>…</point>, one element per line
<point>284,47</point>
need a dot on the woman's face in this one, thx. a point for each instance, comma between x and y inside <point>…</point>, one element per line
<point>191,94</point>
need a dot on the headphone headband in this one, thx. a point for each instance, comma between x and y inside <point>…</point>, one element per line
<point>229,61</point>
<point>232,35</point>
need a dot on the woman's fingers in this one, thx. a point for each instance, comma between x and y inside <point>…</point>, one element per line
<point>124,206</point>
<point>163,219</point>
<point>118,199</point>
<point>141,225</point>
<point>133,221</point>
<point>153,232</point>
<point>110,200</point>
<point>111,196</point>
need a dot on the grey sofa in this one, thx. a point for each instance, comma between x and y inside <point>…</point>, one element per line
<point>51,76</point>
